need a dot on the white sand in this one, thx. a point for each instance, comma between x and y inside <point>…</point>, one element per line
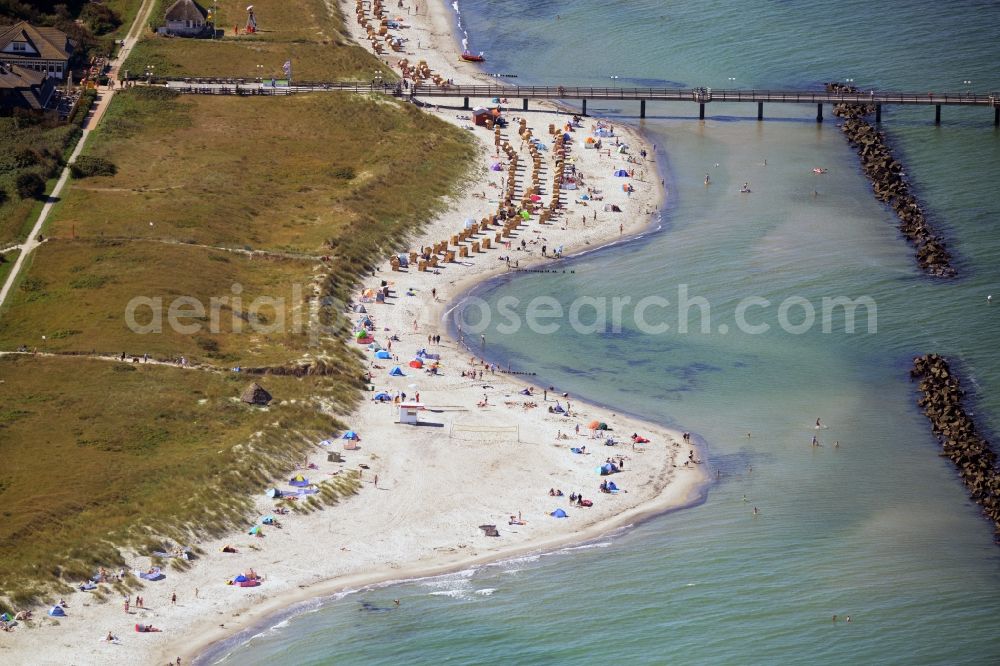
<point>435,484</point>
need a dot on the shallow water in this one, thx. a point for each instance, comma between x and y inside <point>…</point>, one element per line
<point>878,528</point>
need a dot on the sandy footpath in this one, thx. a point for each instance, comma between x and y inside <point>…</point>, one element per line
<point>437,482</point>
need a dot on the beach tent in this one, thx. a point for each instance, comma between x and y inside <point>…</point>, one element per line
<point>396,372</point>
<point>374,346</point>
<point>567,137</point>
<point>416,363</point>
<point>621,173</point>
<point>383,397</point>
<point>612,488</point>
<point>608,468</point>
<point>496,167</point>
<point>359,308</point>
<point>57,611</point>
<point>559,513</point>
<point>255,530</point>
<point>240,579</point>
<point>381,353</point>
<point>350,434</point>
<point>267,520</point>
<point>299,481</point>
<point>273,493</point>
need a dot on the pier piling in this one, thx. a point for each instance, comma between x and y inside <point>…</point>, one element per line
<point>937,114</point>
<point>525,105</point>
<point>642,108</point>
<point>701,110</point>
<point>878,113</point>
<point>584,112</point>
<point>996,116</point>
<point>760,110</point>
<point>819,113</point>
<point>465,105</point>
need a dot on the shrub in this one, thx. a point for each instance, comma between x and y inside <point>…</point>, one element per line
<point>3,196</point>
<point>100,18</point>
<point>29,185</point>
<point>344,173</point>
<point>86,166</point>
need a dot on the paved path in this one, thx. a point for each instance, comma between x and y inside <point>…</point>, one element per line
<point>97,111</point>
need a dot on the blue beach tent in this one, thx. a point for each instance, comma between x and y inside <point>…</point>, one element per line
<point>299,481</point>
<point>396,372</point>
<point>350,434</point>
<point>273,493</point>
<point>383,397</point>
<point>559,513</point>
<point>621,173</point>
<point>608,468</point>
<point>381,353</point>
<point>57,611</point>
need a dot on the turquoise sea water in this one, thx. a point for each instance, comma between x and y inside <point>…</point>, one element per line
<point>879,528</point>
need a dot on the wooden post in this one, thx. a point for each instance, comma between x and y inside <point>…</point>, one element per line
<point>996,116</point>
<point>937,114</point>
<point>819,113</point>
<point>760,110</point>
<point>701,110</point>
<point>642,108</point>
<point>584,112</point>
<point>525,106</point>
<point>878,113</point>
<point>466,104</point>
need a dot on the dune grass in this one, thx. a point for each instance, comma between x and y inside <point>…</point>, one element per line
<point>146,452</point>
<point>77,295</point>
<point>308,32</point>
<point>298,174</point>
<point>139,452</point>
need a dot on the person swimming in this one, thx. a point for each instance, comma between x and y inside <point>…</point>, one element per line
<point>708,180</point>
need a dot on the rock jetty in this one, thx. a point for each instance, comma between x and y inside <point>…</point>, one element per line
<point>941,401</point>
<point>889,184</point>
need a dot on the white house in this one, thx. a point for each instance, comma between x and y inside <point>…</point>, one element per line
<point>185,18</point>
<point>40,49</point>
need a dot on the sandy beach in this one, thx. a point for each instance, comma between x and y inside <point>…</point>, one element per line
<point>438,482</point>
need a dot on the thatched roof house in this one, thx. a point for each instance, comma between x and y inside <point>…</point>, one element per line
<point>185,18</point>
<point>256,395</point>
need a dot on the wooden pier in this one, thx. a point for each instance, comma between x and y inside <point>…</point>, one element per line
<point>700,96</point>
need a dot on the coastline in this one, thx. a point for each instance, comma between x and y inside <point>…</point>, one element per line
<point>424,526</point>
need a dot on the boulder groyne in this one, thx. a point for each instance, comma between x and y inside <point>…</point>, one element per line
<point>941,400</point>
<point>890,185</point>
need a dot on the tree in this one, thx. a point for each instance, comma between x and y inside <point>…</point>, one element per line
<point>101,18</point>
<point>29,185</point>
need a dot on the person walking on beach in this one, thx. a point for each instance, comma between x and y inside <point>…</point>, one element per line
<point>482,340</point>
<point>621,229</point>
<point>375,482</point>
<point>173,599</point>
<point>126,605</point>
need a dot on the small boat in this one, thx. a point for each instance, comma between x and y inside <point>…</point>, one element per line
<point>472,57</point>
